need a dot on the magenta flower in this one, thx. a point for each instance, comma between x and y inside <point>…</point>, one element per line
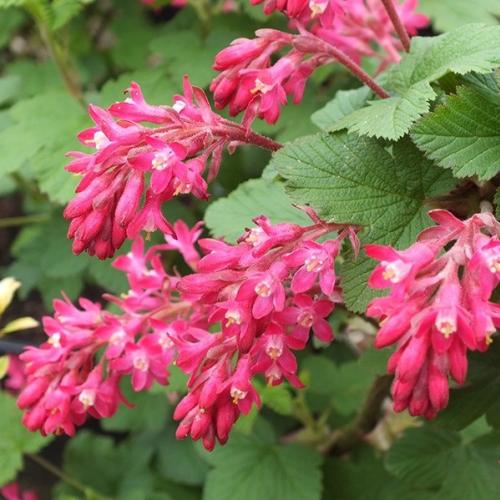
<point>439,306</point>
<point>136,168</point>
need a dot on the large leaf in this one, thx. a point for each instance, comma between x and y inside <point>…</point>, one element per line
<point>230,216</point>
<point>43,130</point>
<point>447,15</point>
<point>464,133</point>
<point>351,179</point>
<point>250,470</point>
<point>14,439</point>
<point>432,458</point>
<point>362,476</point>
<point>475,47</point>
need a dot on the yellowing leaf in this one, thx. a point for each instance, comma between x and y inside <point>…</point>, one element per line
<point>4,366</point>
<point>18,324</point>
<point>8,287</point>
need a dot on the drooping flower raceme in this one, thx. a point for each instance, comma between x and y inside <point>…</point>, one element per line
<point>267,293</point>
<point>67,381</point>
<point>243,312</point>
<point>439,307</point>
<point>135,168</point>
<point>251,82</point>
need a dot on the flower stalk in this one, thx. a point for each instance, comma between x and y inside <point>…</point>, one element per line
<point>397,23</point>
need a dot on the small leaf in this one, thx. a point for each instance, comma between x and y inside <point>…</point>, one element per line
<point>475,47</point>
<point>18,324</point>
<point>14,439</point>
<point>4,366</point>
<point>8,287</point>
<point>463,134</point>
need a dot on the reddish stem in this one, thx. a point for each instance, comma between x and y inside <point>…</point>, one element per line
<point>309,43</point>
<point>236,132</point>
<point>397,23</point>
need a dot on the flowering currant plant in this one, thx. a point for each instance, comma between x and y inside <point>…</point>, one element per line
<point>339,311</point>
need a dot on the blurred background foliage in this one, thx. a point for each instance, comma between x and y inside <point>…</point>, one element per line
<point>57,55</point>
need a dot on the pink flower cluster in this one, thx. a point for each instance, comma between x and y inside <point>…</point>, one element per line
<point>243,312</point>
<point>250,81</point>
<point>66,382</point>
<point>439,307</point>
<point>268,293</point>
<point>136,168</point>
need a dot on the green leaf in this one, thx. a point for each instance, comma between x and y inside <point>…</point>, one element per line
<point>65,10</point>
<point>278,398</point>
<point>389,118</point>
<point>346,385</point>
<point>497,203</point>
<point>14,439</point>
<point>12,20</point>
<point>118,471</point>
<point>431,458</point>
<point>447,15</point>
<point>230,216</point>
<point>43,129</point>
<point>9,86</point>
<point>480,396</point>
<point>149,413</point>
<point>343,104</point>
<point>186,51</point>
<point>249,470</point>
<point>179,460</point>
<point>463,134</point>
<point>362,476</point>
<point>350,179</point>
<point>475,47</point>
<point>4,4</point>
<point>421,456</point>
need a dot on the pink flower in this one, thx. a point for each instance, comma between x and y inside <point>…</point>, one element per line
<point>308,313</point>
<point>438,308</point>
<point>316,264</point>
<point>12,491</point>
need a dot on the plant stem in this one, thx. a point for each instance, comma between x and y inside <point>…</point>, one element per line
<point>309,43</point>
<point>61,60</point>
<point>56,471</point>
<point>237,132</point>
<point>22,220</point>
<point>357,71</point>
<point>397,23</point>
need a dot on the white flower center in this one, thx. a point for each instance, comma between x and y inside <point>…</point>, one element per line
<point>55,340</point>
<point>305,319</point>
<point>317,8</point>
<point>237,394</point>
<point>100,140</point>
<point>261,87</point>
<point>446,326</point>
<point>263,289</point>
<point>314,263</point>
<point>232,318</point>
<point>87,398</point>
<point>179,106</point>
<point>160,160</point>
<point>141,363</point>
